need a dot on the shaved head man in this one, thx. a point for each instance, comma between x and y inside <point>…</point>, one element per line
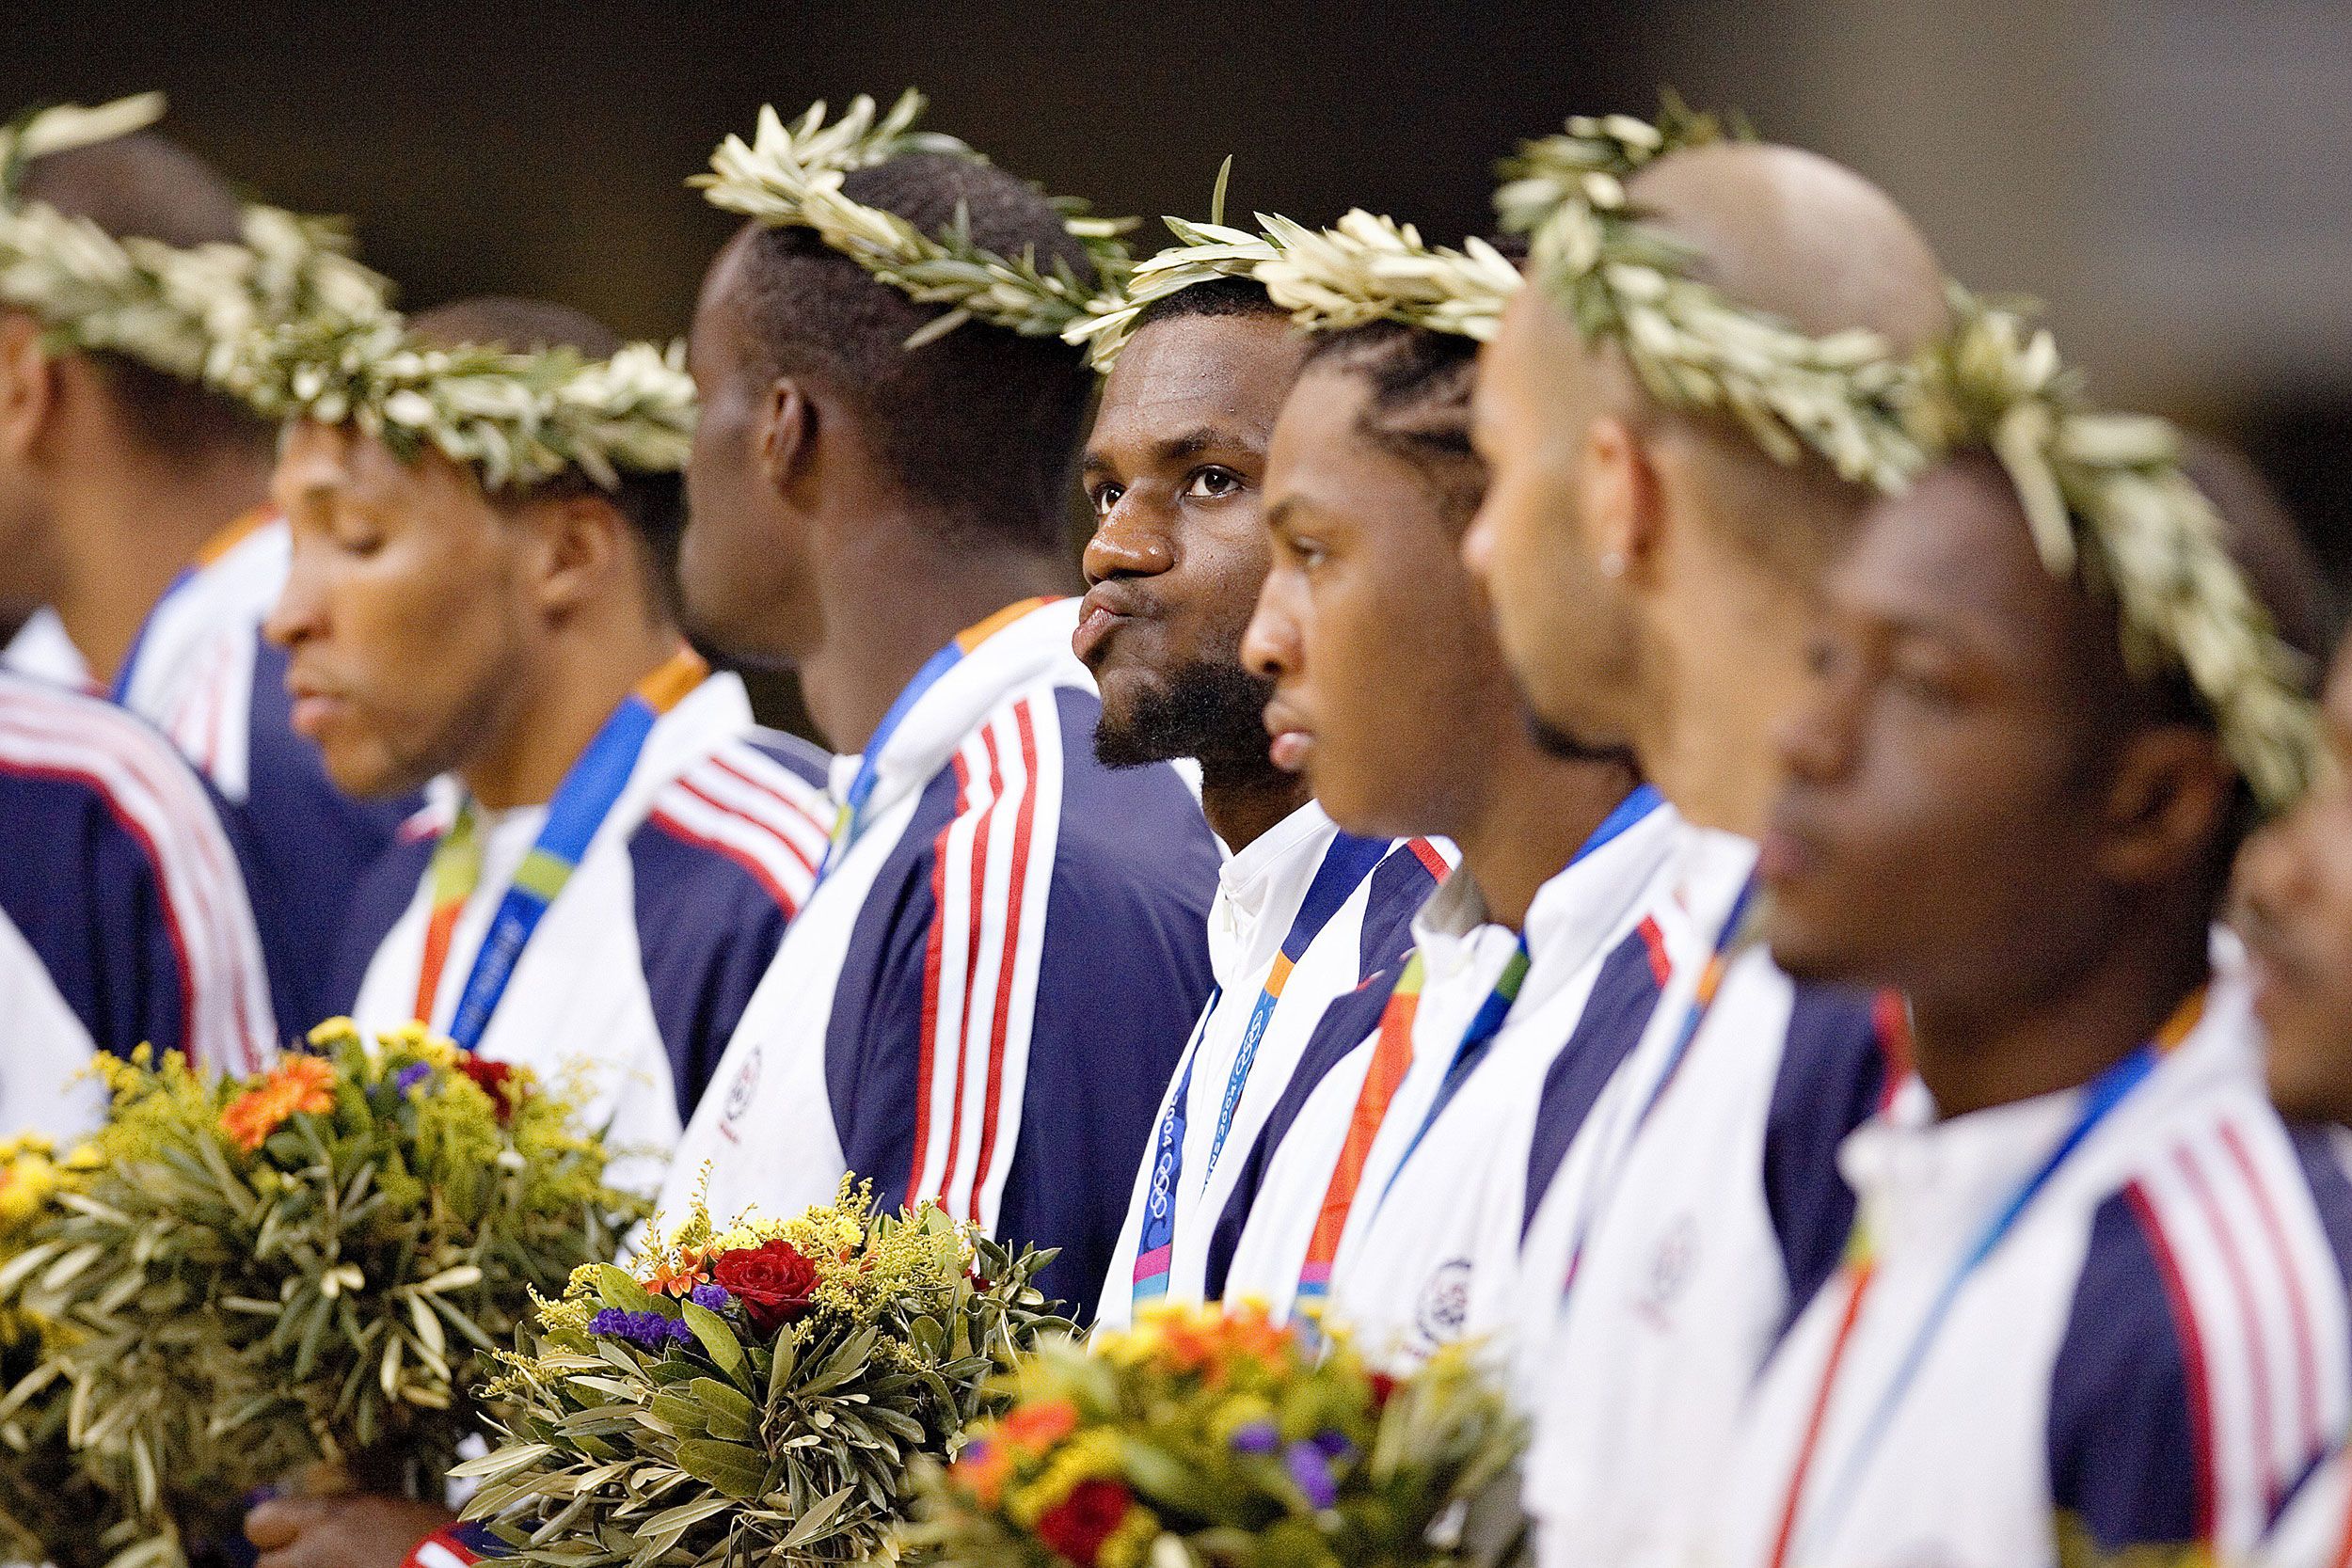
<point>1655,572</point>
<point>1657,580</point>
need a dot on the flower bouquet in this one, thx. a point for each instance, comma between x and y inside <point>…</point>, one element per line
<point>49,1511</point>
<point>243,1279</point>
<point>1218,1439</point>
<point>757,1394</point>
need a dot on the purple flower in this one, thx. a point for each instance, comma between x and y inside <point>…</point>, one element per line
<point>714,1297</point>
<point>1259,1438</point>
<point>645,1330</point>
<point>1313,1472</point>
<point>1334,1446</point>
<point>410,1076</point>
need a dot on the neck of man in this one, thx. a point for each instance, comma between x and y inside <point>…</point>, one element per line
<point>892,597</point>
<point>2010,1040</point>
<point>1531,814</point>
<point>126,529</point>
<point>596,663</point>
<point>1708,738</point>
<point>1243,801</point>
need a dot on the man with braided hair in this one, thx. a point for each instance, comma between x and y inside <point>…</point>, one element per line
<point>134,501</point>
<point>1654,567</point>
<point>1414,1107</point>
<point>983,999</point>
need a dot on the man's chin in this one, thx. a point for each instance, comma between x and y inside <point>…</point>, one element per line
<point>1119,744</point>
<point>2302,1087</point>
<point>1809,954</point>
<point>375,783</point>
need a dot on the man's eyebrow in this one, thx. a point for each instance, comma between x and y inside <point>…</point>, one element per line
<point>1189,443</point>
<point>1192,443</point>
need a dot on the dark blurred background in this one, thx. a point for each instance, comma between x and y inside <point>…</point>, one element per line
<point>2175,178</point>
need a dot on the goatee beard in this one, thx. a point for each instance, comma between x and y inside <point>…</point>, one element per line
<point>1212,712</point>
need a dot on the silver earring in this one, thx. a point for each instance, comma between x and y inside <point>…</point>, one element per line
<point>1613,564</point>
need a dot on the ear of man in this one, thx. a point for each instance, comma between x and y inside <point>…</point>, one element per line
<point>28,386</point>
<point>2166,801</point>
<point>581,550</point>
<point>1620,502</point>
<point>788,430</point>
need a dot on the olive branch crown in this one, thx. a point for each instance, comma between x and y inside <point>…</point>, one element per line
<point>1622,280</point>
<point>518,418</point>
<point>2104,492</point>
<point>1617,279</point>
<point>1364,268</point>
<point>2107,503</point>
<point>790,176</point>
<point>184,311</point>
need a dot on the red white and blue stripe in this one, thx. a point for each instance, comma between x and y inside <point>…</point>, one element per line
<point>125,881</point>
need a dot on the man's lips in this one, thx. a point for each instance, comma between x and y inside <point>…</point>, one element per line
<point>1790,848</point>
<point>1095,627</point>
<point>1099,613</point>
<point>1291,739</point>
<point>313,707</point>
<point>1782,856</point>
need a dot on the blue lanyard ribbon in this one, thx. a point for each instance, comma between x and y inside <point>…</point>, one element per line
<point>850,821</point>
<point>1345,864</point>
<point>119,690</point>
<point>1496,1010</point>
<point>581,804</point>
<point>2100,1099</point>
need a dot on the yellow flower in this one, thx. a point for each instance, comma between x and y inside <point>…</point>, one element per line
<point>1083,1457</point>
<point>29,1173</point>
<point>1131,1542</point>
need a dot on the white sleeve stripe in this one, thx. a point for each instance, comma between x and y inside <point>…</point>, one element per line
<point>238,1033</point>
<point>230,1023</point>
<point>172,843</point>
<point>2268,1312</point>
<point>2214,1336</point>
<point>948,990</point>
<point>976,1078</point>
<point>800,800</point>
<point>2314,1372</point>
<point>787,877</point>
<point>1040,727</point>
<point>699,793</point>
<point>986,982</point>
<point>726,786</point>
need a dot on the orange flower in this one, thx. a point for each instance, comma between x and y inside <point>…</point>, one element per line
<point>1187,1344</point>
<point>984,1471</point>
<point>304,1084</point>
<point>693,1268</point>
<point>1039,1426</point>
<point>1249,1331</point>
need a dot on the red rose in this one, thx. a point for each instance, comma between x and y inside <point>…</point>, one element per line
<point>495,1079</point>
<point>1078,1526</point>
<point>773,1280</point>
